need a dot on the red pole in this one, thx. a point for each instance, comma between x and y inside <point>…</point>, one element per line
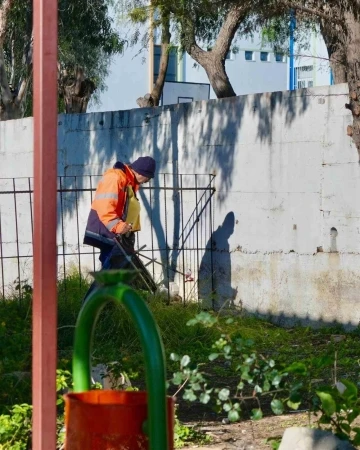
<point>45,173</point>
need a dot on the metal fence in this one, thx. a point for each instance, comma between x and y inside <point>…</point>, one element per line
<point>175,241</point>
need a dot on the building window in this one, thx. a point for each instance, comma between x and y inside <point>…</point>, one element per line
<point>171,73</point>
<point>249,56</point>
<point>264,56</point>
<point>301,84</point>
<point>306,68</point>
<point>280,57</point>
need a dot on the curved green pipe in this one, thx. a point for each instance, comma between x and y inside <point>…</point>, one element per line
<point>151,344</point>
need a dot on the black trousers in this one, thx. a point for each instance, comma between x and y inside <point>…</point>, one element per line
<point>114,258</point>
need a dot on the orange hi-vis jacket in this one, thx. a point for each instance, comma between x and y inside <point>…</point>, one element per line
<point>114,203</point>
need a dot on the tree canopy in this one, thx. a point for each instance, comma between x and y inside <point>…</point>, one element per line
<point>87,39</point>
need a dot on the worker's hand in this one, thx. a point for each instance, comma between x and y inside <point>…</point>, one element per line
<point>123,228</point>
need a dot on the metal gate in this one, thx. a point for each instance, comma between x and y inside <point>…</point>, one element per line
<point>174,243</point>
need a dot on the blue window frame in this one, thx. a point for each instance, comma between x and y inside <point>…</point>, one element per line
<point>264,56</point>
<point>249,55</point>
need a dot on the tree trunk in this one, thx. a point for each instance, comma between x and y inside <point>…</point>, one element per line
<point>336,53</point>
<point>153,99</point>
<point>214,66</point>
<point>213,61</point>
<point>164,61</point>
<point>10,108</point>
<point>76,90</point>
<point>10,111</point>
<point>10,104</point>
<point>338,67</point>
<point>352,49</point>
<point>215,70</point>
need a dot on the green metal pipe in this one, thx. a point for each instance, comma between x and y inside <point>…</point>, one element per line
<point>151,344</point>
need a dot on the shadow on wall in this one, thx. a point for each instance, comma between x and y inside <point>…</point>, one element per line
<point>212,143</point>
<point>215,287</point>
<point>200,137</point>
<point>264,107</point>
<point>290,321</point>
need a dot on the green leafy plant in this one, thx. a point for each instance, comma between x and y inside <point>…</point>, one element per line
<point>274,442</point>
<point>218,361</point>
<point>255,371</point>
<point>15,428</point>
<point>287,386</point>
<point>339,406</point>
<point>183,435</point>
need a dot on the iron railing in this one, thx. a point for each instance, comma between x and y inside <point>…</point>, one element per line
<point>175,241</point>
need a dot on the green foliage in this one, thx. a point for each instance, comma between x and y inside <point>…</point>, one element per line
<point>276,32</point>
<point>184,435</point>
<point>86,39</point>
<point>260,376</point>
<point>340,406</point>
<point>204,18</point>
<point>274,442</point>
<point>222,362</point>
<point>15,428</point>
<point>254,370</point>
<point>115,340</point>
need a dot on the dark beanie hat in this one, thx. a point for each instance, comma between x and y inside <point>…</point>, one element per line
<point>145,165</point>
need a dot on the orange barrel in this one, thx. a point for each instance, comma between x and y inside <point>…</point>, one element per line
<point>110,420</point>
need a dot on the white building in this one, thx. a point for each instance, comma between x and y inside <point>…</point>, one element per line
<point>252,67</point>
<point>312,65</point>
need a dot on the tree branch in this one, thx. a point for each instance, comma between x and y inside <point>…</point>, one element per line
<point>79,78</point>
<point>233,19</point>
<point>164,59</point>
<point>190,44</point>
<point>28,61</point>
<point>23,89</point>
<point>6,96</point>
<point>313,12</point>
<point>12,73</point>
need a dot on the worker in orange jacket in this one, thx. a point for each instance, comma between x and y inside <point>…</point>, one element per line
<point>115,209</point>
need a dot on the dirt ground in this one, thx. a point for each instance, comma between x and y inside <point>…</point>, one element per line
<point>248,435</point>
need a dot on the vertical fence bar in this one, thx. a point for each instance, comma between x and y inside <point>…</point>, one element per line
<point>137,241</point>
<point>78,229</point>
<point>166,242</point>
<point>1,260</point>
<point>62,234</point>
<point>211,244</point>
<point>31,210</point>
<point>17,239</point>
<point>44,342</point>
<point>152,229</point>
<point>91,198</point>
<point>197,237</point>
<point>182,235</point>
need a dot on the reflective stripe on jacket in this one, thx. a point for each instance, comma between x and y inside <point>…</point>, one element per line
<point>109,206</point>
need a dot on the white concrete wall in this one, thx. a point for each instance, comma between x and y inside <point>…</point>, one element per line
<point>286,173</point>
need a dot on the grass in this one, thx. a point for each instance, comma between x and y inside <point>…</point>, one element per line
<point>115,339</point>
